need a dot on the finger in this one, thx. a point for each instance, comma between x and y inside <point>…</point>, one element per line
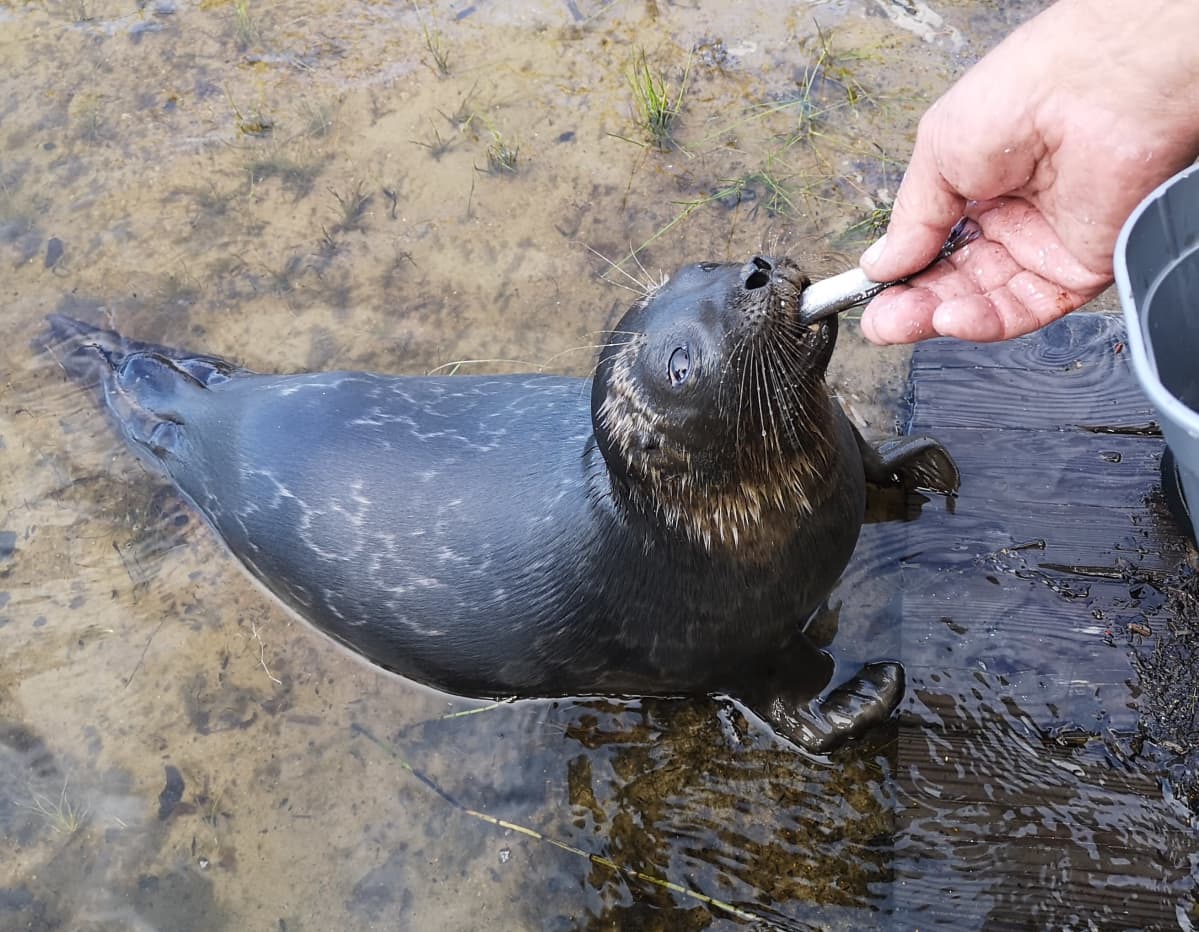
<point>977,318</point>
<point>899,315</point>
<point>905,313</point>
<point>926,207</point>
<point>987,264</point>
<point>980,294</point>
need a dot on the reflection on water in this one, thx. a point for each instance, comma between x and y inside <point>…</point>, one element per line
<point>1065,825</point>
<point>300,186</point>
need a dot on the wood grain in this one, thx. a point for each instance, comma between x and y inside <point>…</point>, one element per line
<point>1020,601</point>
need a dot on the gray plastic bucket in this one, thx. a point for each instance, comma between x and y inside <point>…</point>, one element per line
<point>1157,275</point>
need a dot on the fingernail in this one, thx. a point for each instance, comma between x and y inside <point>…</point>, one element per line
<point>875,252</point>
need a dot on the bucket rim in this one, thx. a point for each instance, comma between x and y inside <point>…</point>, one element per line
<point>1143,364</point>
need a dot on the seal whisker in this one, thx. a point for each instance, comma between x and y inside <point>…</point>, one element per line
<point>574,349</point>
<point>783,391</point>
<point>742,352</point>
<point>645,287</point>
<point>770,428</point>
<point>730,413</point>
<point>456,364</point>
<point>642,287</point>
<point>735,352</point>
<point>764,407</point>
<point>776,391</point>
<point>639,289</point>
<point>662,276</point>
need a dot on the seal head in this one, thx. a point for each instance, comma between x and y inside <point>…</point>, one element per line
<point>709,403</point>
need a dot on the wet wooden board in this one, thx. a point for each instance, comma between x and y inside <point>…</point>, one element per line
<point>1017,604</point>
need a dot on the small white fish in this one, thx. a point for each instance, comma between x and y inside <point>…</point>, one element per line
<point>841,292</point>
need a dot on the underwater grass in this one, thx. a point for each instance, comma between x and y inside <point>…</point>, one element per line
<point>872,226</point>
<point>252,122</point>
<point>595,859</point>
<point>435,144</point>
<point>352,206</point>
<point>502,154</point>
<point>434,44</point>
<point>246,31</point>
<point>794,176</point>
<point>657,113</point>
<point>65,817</point>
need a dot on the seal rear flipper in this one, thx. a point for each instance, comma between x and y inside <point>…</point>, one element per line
<point>148,389</point>
<point>823,725</point>
<point>910,463</point>
<point>89,353</point>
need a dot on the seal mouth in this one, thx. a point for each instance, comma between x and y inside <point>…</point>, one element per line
<point>769,294</point>
<point>770,346</point>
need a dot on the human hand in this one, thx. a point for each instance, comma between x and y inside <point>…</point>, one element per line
<point>1049,142</point>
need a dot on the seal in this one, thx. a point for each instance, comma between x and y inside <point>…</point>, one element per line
<point>668,529</point>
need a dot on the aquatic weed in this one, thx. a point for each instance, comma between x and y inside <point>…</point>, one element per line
<point>87,110</point>
<point>437,48</point>
<point>826,85</point>
<point>435,144</point>
<point>598,861</point>
<point>65,817</point>
<point>873,225</point>
<point>285,275</point>
<point>774,179</point>
<point>465,112</point>
<point>501,154</point>
<point>352,205</point>
<point>245,28</point>
<point>319,119</point>
<point>251,123</point>
<point>657,113</point>
<point>435,43</point>
<point>351,215</point>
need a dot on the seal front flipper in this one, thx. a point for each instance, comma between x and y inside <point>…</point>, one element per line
<point>910,463</point>
<point>821,726</point>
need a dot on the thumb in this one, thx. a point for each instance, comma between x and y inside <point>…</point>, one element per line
<point>926,208</point>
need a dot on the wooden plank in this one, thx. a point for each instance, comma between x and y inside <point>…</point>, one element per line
<point>1097,339</point>
<point>1020,600</point>
<point>1064,535</point>
<point>1026,399</point>
<point>1037,825</point>
<point>1075,373</point>
<point>1051,466</point>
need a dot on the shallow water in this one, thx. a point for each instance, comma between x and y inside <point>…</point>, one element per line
<point>298,186</point>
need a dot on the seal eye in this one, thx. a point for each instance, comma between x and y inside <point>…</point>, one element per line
<point>679,365</point>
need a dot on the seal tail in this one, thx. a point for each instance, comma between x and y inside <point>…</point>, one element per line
<point>148,389</point>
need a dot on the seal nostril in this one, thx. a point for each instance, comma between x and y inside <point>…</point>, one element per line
<point>760,276</point>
